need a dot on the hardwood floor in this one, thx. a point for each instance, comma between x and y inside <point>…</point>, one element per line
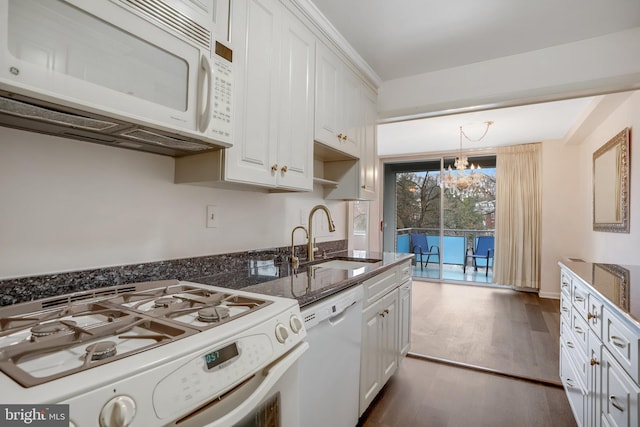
<point>496,328</point>
<point>426,394</point>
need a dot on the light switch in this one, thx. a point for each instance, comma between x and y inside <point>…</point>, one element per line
<point>212,216</point>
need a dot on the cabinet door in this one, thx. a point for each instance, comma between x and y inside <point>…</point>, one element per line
<point>327,111</point>
<point>389,335</point>
<point>404,319</point>
<point>295,143</point>
<point>256,40</point>
<point>619,399</point>
<point>576,393</point>
<point>368,147</point>
<point>370,362</point>
<point>352,113</point>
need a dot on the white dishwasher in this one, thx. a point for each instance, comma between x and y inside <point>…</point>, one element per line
<point>330,369</point>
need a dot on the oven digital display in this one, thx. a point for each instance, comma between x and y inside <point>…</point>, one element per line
<point>221,355</point>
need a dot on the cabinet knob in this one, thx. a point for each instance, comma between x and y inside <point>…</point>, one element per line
<point>344,137</point>
<point>340,136</point>
<point>594,362</point>
<point>284,169</point>
<point>274,167</point>
<point>590,316</point>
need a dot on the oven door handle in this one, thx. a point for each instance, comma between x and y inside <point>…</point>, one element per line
<point>268,377</point>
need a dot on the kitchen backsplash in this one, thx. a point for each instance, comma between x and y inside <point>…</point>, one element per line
<point>14,291</point>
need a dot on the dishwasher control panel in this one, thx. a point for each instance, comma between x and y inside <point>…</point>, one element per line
<point>332,306</point>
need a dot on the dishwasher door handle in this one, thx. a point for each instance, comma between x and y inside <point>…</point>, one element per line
<point>334,320</point>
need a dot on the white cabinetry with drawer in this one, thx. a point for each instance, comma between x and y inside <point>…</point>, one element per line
<point>385,329</point>
<point>599,349</point>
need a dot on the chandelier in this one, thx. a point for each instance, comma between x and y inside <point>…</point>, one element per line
<point>463,182</point>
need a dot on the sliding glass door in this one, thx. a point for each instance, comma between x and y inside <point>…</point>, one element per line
<point>468,213</point>
<point>440,220</point>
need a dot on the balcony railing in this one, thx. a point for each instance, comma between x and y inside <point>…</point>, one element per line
<point>455,242</point>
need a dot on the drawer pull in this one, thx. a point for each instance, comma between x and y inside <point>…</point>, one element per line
<point>570,382</point>
<point>579,298</point>
<point>570,344</point>
<point>565,309</point>
<point>612,399</point>
<point>618,342</point>
<point>579,330</point>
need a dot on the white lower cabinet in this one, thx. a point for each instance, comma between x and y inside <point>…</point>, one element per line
<point>405,318</point>
<point>599,349</point>
<point>385,332</point>
<point>619,397</point>
<point>577,393</point>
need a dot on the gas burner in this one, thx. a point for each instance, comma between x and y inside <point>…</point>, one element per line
<point>101,350</point>
<point>52,328</point>
<point>213,314</point>
<point>164,302</point>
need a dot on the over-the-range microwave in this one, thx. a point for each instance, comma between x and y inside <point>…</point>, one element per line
<point>151,75</point>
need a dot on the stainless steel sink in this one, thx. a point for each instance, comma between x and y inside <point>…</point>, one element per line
<point>346,264</point>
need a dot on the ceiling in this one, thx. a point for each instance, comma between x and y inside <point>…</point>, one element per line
<point>408,37</point>
<point>514,125</point>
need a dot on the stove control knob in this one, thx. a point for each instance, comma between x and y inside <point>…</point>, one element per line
<point>118,412</point>
<point>281,333</point>
<point>296,324</point>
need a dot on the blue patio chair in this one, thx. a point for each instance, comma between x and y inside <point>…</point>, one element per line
<point>483,250</point>
<point>420,248</point>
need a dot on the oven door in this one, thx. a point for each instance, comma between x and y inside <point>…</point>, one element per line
<point>267,399</point>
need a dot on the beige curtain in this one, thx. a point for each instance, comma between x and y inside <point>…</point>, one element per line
<point>518,212</point>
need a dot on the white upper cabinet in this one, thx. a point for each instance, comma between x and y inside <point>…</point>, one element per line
<point>355,179</point>
<point>337,113</point>
<point>274,60</point>
<point>291,89</point>
<point>274,127</point>
<point>295,145</point>
<point>369,147</point>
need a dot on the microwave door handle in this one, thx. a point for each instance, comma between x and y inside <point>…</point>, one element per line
<point>204,116</point>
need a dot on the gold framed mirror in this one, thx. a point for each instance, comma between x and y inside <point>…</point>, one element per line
<point>611,185</point>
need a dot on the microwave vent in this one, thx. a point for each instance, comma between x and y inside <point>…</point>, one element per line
<point>21,109</point>
<point>165,141</point>
<point>167,16</point>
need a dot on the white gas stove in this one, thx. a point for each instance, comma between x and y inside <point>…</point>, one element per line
<point>154,353</point>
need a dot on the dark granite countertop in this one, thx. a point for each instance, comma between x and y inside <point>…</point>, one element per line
<point>617,285</point>
<point>308,283</point>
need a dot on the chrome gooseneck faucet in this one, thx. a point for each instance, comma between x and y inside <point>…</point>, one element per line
<point>311,247</point>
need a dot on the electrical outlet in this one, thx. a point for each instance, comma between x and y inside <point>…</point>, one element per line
<point>212,216</point>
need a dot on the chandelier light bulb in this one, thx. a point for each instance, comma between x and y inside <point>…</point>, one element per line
<point>461,184</point>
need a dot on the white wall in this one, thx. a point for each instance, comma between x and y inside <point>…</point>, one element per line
<point>593,66</point>
<point>69,205</point>
<point>567,200</point>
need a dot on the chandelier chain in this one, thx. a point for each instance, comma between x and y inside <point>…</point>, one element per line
<point>488,123</point>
